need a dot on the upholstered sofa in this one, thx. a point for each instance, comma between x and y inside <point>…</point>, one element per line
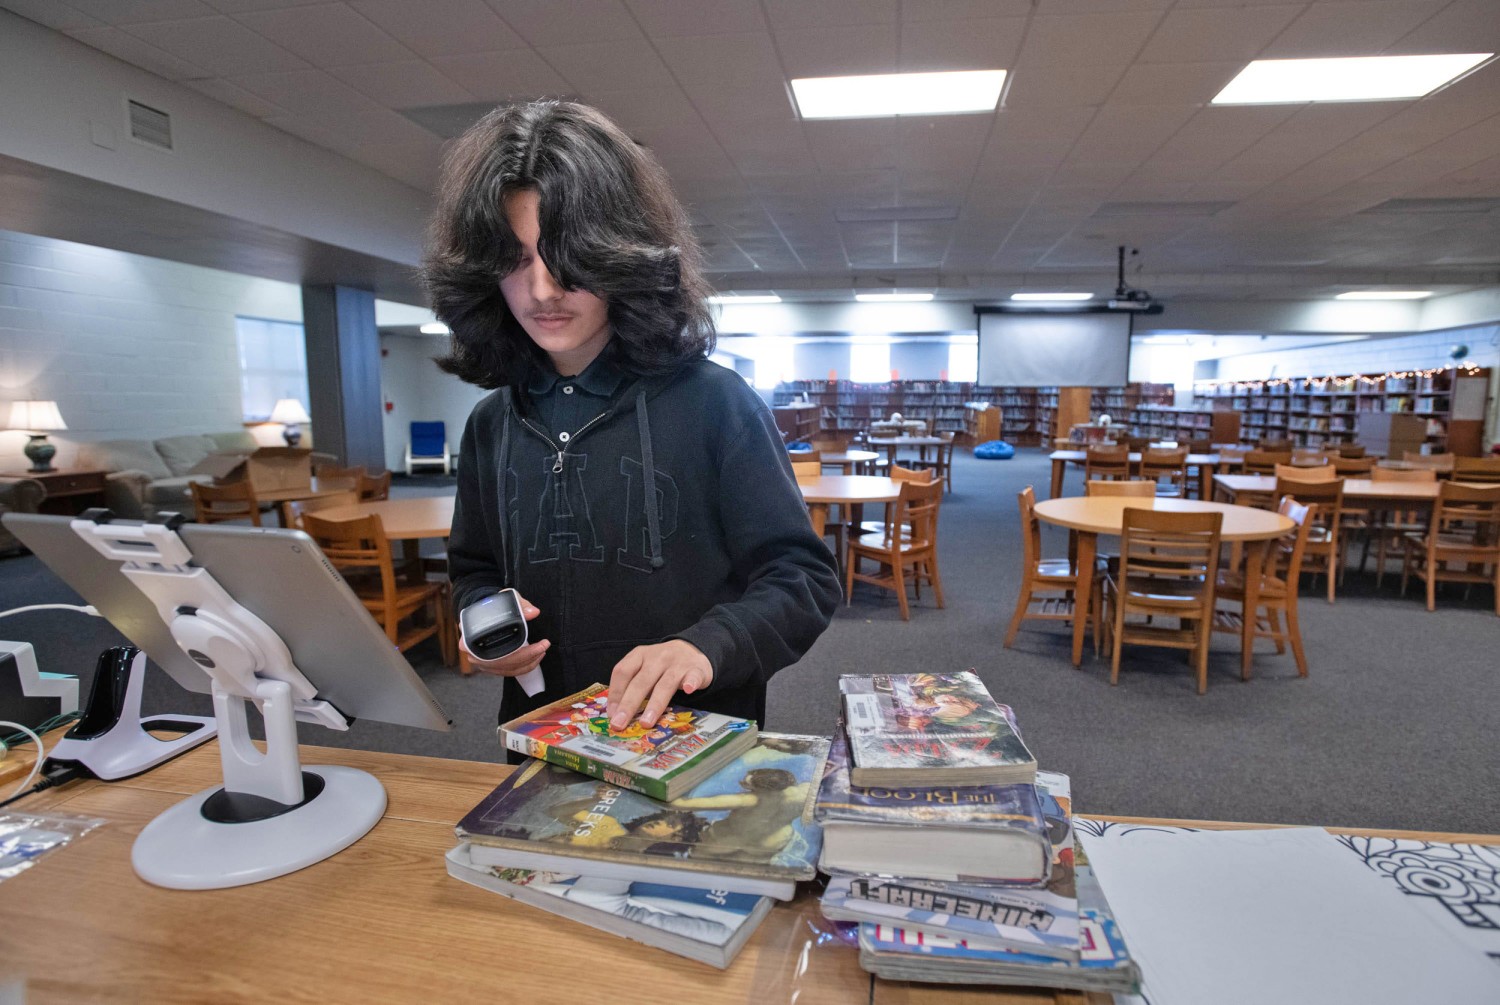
<point>150,475</point>
<point>18,495</point>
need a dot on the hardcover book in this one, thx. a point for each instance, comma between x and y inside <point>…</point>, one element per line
<point>748,828</point>
<point>988,833</point>
<point>710,926</point>
<point>662,761</point>
<point>930,729</point>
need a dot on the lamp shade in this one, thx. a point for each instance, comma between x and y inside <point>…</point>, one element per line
<point>36,416</point>
<point>289,410</point>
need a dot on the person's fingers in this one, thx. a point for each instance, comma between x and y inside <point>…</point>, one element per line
<point>620,678</point>
<point>661,694</point>
<point>521,661</point>
<point>634,695</point>
<point>528,609</point>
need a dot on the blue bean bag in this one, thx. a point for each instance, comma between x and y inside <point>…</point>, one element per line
<point>799,448</point>
<point>995,450</point>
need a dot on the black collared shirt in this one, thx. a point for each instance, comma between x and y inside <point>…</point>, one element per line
<point>567,404</point>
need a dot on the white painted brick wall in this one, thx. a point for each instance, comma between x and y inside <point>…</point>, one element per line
<point>128,346</point>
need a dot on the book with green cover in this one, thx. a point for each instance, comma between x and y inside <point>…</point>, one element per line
<point>748,828</point>
<point>663,760</point>
<point>929,729</point>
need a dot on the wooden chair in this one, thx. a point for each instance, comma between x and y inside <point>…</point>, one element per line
<point>360,545</point>
<point>1353,467</point>
<point>1263,462</point>
<point>1351,450</point>
<point>942,465</point>
<point>1047,584</point>
<point>897,474</point>
<point>831,442</point>
<point>1465,529</point>
<point>1388,528</point>
<point>806,469</point>
<point>1135,444</point>
<point>1106,462</point>
<point>1278,589</point>
<point>1325,538</point>
<point>374,488</point>
<point>1305,474</point>
<point>1441,463</point>
<point>1485,470</point>
<point>1311,457</point>
<point>1168,565</point>
<point>293,510</point>
<point>909,543</point>
<point>1277,447</point>
<point>331,474</point>
<point>1135,488</point>
<point>807,456</point>
<point>222,503</point>
<point>1171,465</point>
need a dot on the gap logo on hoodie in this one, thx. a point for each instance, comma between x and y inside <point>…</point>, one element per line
<point>565,525</point>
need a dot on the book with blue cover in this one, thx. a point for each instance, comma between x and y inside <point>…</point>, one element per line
<point>987,833</point>
<point>706,925</point>
<point>747,828</point>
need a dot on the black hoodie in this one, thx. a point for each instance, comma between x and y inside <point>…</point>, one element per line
<point>720,554</point>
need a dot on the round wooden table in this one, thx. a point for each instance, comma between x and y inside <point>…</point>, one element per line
<point>848,459</point>
<point>402,519</point>
<point>1090,516</point>
<point>892,444</point>
<point>851,491</point>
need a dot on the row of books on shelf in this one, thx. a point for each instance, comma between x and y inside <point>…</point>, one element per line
<point>949,857</point>
<point>1421,384</point>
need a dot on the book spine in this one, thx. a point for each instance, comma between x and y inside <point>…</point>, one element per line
<point>608,773</point>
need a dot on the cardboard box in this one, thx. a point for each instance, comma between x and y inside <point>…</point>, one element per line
<point>270,469</point>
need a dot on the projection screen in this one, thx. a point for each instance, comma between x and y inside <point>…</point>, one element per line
<point>1042,350</point>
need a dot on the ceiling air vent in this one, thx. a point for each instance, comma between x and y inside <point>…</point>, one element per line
<point>1452,205</point>
<point>151,126</point>
<point>1206,208</point>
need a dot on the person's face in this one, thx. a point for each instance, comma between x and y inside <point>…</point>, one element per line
<point>570,327</point>
<point>659,830</point>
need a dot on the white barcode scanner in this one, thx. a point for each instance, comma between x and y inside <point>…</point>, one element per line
<point>493,627</point>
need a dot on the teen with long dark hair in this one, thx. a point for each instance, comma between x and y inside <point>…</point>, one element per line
<point>637,495</point>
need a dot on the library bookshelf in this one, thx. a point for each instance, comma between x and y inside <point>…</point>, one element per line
<point>1312,411</point>
<point>1028,415</point>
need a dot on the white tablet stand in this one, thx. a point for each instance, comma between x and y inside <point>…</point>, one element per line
<point>272,816</point>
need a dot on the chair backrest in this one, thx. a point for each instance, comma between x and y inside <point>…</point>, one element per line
<point>1353,465</point>
<point>1031,530</point>
<point>1170,545</point>
<point>1263,462</point>
<point>1307,474</point>
<point>294,510</point>
<point>813,456</point>
<point>1135,488</point>
<point>1233,453</point>
<point>1476,469</point>
<point>1351,450</point>
<point>917,513</point>
<point>831,443</point>
<point>333,474</point>
<point>1111,461</point>
<point>1379,474</point>
<point>806,469</point>
<point>1286,557</point>
<point>1135,444</point>
<point>1438,462</point>
<point>1276,446</point>
<point>355,544</point>
<point>1203,445</point>
<point>373,488</point>
<point>900,474</point>
<point>1161,462</point>
<point>428,439</point>
<point>1471,512</point>
<point>231,501</point>
<point>1309,456</point>
<point>1327,493</point>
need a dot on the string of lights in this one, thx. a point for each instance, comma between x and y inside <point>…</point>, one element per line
<point>1338,380</point>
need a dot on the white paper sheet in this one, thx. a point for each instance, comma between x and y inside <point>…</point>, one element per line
<point>1275,916</point>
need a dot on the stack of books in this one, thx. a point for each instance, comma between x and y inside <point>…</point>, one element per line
<point>694,873</point>
<point>954,854</point>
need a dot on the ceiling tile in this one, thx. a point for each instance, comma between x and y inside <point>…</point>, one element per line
<point>730,76</point>
<point>567,22</point>
<point>766,147</point>
<point>58,16</point>
<point>1206,36</point>
<point>1462,26</point>
<point>220,45</point>
<point>1075,42</point>
<point>327,35</point>
<point>919,11</point>
<point>236,97</point>
<point>408,84</point>
<point>240,6</point>
<point>310,95</point>
<point>852,144</point>
<point>649,110</point>
<point>502,76</point>
<point>1216,133</point>
<point>667,18</point>
<point>123,45</point>
<point>609,66</point>
<point>838,52</point>
<point>791,14</point>
<point>441,27</point>
<point>978,44</point>
<point>119,12</point>
<point>1173,83</point>
<point>1364,27</point>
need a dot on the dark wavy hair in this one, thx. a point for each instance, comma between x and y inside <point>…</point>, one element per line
<point>610,225</point>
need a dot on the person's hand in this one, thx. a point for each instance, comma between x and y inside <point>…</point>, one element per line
<point>522,661</point>
<point>650,676</point>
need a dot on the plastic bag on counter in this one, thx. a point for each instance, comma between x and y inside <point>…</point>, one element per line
<point>27,837</point>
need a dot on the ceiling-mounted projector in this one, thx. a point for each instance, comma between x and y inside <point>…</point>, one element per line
<point>1128,298</point>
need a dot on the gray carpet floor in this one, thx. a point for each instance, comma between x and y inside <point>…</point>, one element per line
<point>1394,727</point>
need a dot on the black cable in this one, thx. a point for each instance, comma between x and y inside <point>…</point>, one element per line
<point>51,779</point>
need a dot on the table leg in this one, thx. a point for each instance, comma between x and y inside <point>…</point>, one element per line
<point>1255,557</point>
<point>1083,591</point>
<point>1057,478</point>
<point>411,556</point>
<point>1206,474</point>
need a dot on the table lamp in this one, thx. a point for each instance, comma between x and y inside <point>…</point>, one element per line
<point>37,418</point>
<point>289,412</point>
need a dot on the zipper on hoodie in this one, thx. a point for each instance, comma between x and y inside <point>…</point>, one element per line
<point>563,449</point>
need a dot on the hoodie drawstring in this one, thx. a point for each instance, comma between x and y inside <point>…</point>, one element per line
<point>510,556</point>
<point>653,509</point>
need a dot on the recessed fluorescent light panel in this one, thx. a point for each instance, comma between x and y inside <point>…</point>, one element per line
<point>435,328</point>
<point>1057,297</point>
<point>1354,78</point>
<point>768,298</point>
<point>1385,295</point>
<point>892,298</point>
<point>863,97</point>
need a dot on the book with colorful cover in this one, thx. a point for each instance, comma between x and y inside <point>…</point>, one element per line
<point>930,729</point>
<point>662,761</point>
<point>706,925</point>
<point>747,828</point>
<point>987,833</point>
